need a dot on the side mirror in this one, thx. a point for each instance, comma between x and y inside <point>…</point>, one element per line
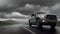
<point>32,15</point>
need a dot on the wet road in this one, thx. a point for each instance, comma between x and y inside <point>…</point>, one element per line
<point>25,29</point>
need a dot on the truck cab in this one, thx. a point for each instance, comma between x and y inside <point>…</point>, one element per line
<point>41,18</point>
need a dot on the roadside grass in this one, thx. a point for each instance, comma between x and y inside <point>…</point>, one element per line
<point>12,22</point>
<point>9,22</point>
<point>58,24</point>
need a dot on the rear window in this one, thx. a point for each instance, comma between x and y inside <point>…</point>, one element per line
<point>53,17</point>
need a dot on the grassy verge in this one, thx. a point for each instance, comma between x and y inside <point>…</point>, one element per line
<point>3,23</point>
<point>58,24</point>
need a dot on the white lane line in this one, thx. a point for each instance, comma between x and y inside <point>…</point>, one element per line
<point>30,30</point>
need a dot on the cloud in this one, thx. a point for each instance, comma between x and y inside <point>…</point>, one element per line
<point>31,8</point>
<point>28,9</point>
<point>8,4</point>
<point>16,14</point>
<point>44,9</point>
<point>13,15</point>
<point>40,2</point>
<point>13,4</point>
<point>56,6</point>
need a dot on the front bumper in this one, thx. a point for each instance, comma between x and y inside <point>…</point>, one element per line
<point>49,22</point>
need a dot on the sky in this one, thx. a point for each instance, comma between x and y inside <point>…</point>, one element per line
<point>24,8</point>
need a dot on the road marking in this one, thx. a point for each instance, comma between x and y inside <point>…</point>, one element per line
<point>29,30</point>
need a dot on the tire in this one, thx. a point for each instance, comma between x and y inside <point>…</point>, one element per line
<point>39,23</point>
<point>53,26</point>
<point>30,23</point>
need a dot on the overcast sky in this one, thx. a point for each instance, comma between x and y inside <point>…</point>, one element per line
<point>10,4</point>
<point>26,7</point>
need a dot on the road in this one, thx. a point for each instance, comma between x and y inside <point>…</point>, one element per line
<point>25,29</point>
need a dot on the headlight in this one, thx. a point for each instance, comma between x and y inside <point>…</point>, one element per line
<point>43,20</point>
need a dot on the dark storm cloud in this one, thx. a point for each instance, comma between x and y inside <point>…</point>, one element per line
<point>30,8</point>
<point>12,4</point>
<point>13,15</point>
<point>9,6</point>
<point>41,2</point>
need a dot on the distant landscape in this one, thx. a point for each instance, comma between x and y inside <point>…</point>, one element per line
<point>4,22</point>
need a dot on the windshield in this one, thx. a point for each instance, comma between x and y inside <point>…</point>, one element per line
<point>51,17</point>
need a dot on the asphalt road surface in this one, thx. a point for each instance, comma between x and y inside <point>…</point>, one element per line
<point>25,29</point>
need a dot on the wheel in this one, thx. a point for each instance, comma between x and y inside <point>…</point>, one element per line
<point>53,26</point>
<point>39,24</point>
<point>30,23</point>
